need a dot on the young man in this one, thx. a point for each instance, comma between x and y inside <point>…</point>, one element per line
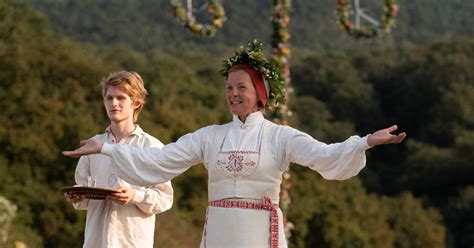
<point>125,219</point>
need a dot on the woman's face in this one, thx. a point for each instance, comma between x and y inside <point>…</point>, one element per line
<point>241,94</point>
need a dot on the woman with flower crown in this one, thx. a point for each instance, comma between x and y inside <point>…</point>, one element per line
<point>245,158</point>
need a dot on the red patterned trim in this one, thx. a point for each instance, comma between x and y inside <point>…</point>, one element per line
<point>265,205</point>
<point>205,229</point>
<point>242,152</point>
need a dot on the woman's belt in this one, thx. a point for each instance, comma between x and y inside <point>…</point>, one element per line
<point>265,205</point>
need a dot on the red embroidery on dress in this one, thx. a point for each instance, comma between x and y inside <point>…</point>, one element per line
<point>236,164</point>
<point>221,163</point>
<point>265,205</point>
<point>242,152</point>
<point>205,229</point>
<point>250,163</point>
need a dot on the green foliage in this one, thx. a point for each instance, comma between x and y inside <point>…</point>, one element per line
<point>459,215</point>
<point>342,214</point>
<point>43,102</point>
<point>149,24</point>
<point>50,100</point>
<point>426,90</point>
<point>313,117</point>
<point>53,84</point>
<point>413,225</point>
<point>180,101</point>
<point>337,82</point>
<point>167,225</point>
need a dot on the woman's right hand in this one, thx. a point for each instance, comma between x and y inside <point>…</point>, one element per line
<point>89,146</point>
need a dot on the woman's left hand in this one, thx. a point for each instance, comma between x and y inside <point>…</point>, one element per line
<point>89,146</point>
<point>124,197</point>
<point>384,136</point>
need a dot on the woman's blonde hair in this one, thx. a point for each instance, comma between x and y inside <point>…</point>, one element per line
<point>131,83</point>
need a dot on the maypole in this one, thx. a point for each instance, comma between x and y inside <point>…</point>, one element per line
<point>282,53</point>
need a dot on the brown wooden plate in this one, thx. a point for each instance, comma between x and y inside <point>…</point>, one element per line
<point>88,192</point>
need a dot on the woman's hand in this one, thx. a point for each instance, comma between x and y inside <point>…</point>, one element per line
<point>124,197</point>
<point>89,146</point>
<point>384,136</point>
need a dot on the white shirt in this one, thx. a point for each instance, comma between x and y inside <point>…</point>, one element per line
<point>110,224</point>
<point>148,166</point>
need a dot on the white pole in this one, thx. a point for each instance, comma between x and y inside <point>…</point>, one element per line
<point>369,19</point>
<point>357,13</point>
<point>189,11</point>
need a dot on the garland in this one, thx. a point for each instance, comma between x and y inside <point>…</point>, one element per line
<point>214,8</point>
<point>253,56</point>
<point>282,54</point>
<point>280,20</point>
<point>388,20</point>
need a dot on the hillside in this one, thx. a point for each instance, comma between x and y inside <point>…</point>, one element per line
<point>148,24</point>
<point>417,194</point>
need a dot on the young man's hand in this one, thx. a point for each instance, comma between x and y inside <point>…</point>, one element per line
<point>73,198</point>
<point>124,197</point>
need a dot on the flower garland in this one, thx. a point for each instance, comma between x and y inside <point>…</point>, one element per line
<point>253,56</point>
<point>388,20</point>
<point>280,20</point>
<point>279,114</point>
<point>214,7</point>
<point>281,53</point>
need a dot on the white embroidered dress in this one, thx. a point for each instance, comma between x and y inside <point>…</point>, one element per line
<point>245,162</point>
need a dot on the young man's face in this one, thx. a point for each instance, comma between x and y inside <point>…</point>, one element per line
<point>119,105</point>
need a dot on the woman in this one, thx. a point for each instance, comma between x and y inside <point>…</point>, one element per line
<point>245,158</point>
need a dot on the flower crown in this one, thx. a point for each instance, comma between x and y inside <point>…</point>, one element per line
<point>253,56</point>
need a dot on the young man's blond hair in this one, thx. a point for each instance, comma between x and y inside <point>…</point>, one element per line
<point>131,83</point>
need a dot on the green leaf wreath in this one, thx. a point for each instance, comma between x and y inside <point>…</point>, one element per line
<point>388,20</point>
<point>253,56</point>
<point>214,8</point>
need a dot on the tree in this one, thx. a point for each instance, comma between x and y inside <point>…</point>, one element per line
<point>343,214</point>
<point>459,214</point>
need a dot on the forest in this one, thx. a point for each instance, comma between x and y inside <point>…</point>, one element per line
<point>420,193</point>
